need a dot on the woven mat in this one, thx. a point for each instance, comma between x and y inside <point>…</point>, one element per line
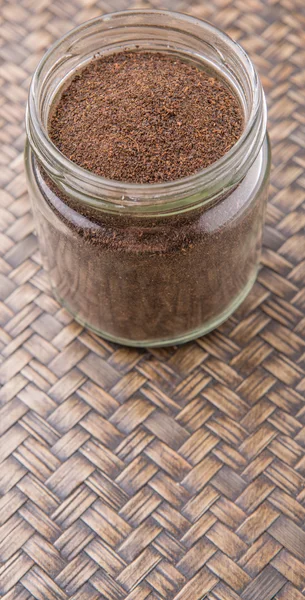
<point>176,473</point>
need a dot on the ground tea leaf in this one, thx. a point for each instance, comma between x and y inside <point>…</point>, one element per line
<point>145,117</point>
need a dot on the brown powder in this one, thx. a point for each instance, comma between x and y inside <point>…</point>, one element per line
<point>153,279</point>
<point>145,117</point>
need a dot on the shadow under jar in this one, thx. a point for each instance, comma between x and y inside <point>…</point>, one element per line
<point>149,264</point>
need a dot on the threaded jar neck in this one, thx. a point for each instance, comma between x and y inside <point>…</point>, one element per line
<point>150,30</point>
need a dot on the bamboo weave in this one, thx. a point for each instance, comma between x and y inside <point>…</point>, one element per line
<point>175,473</point>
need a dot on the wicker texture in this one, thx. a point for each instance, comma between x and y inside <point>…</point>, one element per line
<point>176,473</point>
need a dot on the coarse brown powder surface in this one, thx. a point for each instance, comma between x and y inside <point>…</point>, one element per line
<point>145,117</point>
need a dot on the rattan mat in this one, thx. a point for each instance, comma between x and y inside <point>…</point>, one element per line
<point>176,473</point>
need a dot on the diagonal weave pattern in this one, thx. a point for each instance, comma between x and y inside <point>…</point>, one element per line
<point>176,473</point>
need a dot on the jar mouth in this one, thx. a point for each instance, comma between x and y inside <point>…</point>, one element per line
<point>200,40</point>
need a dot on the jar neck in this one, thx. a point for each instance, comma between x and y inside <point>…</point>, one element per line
<point>154,30</point>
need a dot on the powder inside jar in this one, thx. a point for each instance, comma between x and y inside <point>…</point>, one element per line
<point>145,117</point>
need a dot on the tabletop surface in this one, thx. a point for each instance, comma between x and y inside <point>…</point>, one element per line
<point>171,473</point>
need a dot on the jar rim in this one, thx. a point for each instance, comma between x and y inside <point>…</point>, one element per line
<point>201,186</point>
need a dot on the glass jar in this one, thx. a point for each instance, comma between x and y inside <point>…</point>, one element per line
<point>149,265</point>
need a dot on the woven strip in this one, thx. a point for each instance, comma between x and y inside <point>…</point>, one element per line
<point>176,473</point>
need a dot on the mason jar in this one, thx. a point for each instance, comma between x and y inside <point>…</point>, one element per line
<point>149,264</point>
